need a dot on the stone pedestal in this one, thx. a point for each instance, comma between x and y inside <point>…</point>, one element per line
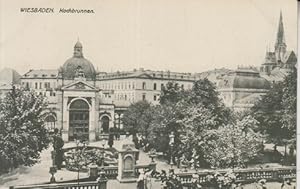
<point>127,154</point>
<point>65,135</point>
<point>93,171</point>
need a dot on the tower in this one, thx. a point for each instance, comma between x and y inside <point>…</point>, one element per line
<point>280,46</point>
<point>78,50</point>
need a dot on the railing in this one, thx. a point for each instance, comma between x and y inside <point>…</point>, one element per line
<point>246,175</point>
<point>111,172</point>
<point>81,185</point>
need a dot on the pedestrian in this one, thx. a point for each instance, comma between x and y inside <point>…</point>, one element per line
<point>261,184</point>
<point>140,180</point>
<point>287,184</point>
<point>195,182</point>
<point>58,144</point>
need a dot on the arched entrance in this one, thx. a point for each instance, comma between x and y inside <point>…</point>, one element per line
<point>50,122</point>
<point>105,124</point>
<point>79,120</point>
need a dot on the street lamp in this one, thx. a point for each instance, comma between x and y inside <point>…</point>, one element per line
<point>171,143</point>
<point>103,138</point>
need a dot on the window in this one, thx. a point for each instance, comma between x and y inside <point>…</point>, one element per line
<point>36,85</point>
<point>47,85</point>
<point>40,85</point>
<point>154,86</point>
<point>50,122</point>
<point>182,86</point>
<point>128,163</point>
<point>144,85</point>
<point>162,86</point>
<point>144,96</point>
<point>154,97</point>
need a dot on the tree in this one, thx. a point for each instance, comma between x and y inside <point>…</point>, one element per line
<point>166,120</point>
<point>188,114</point>
<point>276,111</point>
<point>233,145</point>
<point>22,132</point>
<point>138,117</point>
<point>171,93</point>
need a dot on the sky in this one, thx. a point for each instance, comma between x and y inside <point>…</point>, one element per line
<point>176,35</point>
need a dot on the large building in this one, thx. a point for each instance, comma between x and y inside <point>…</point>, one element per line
<point>8,79</point>
<point>86,102</point>
<point>240,89</point>
<point>279,62</point>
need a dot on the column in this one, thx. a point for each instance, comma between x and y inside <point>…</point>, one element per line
<point>65,130</point>
<point>92,123</point>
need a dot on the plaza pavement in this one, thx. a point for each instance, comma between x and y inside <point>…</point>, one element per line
<point>39,173</point>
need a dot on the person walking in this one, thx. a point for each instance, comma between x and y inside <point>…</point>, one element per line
<point>141,181</point>
<point>261,184</point>
<point>287,184</point>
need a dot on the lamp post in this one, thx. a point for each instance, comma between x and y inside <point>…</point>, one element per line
<point>171,143</point>
<point>103,139</point>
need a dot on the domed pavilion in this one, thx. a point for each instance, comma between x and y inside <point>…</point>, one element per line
<point>241,88</point>
<point>76,64</point>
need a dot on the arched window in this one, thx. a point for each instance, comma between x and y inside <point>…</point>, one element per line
<point>105,124</point>
<point>144,85</point>
<point>128,163</point>
<point>50,122</point>
<point>154,86</point>
<point>79,104</point>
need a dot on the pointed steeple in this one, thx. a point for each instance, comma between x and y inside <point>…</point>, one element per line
<point>280,32</point>
<point>280,46</point>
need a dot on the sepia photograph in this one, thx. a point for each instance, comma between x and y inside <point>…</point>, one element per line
<point>148,94</point>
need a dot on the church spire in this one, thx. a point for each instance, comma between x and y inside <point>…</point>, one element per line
<point>280,46</point>
<point>280,32</point>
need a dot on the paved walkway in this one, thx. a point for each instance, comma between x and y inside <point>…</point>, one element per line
<point>39,173</point>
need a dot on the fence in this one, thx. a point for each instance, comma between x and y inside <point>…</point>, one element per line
<point>81,185</point>
<point>111,172</point>
<point>246,175</point>
<point>243,176</point>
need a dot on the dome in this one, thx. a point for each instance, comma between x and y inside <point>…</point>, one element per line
<point>244,79</point>
<point>70,68</point>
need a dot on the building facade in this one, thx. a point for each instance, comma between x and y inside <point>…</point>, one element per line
<point>82,101</point>
<point>279,62</point>
<point>240,89</point>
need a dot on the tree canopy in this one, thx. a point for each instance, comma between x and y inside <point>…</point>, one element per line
<point>276,111</point>
<point>138,117</point>
<point>22,132</point>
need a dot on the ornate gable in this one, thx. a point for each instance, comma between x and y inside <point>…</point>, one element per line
<point>144,75</point>
<point>79,86</point>
<point>290,58</point>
